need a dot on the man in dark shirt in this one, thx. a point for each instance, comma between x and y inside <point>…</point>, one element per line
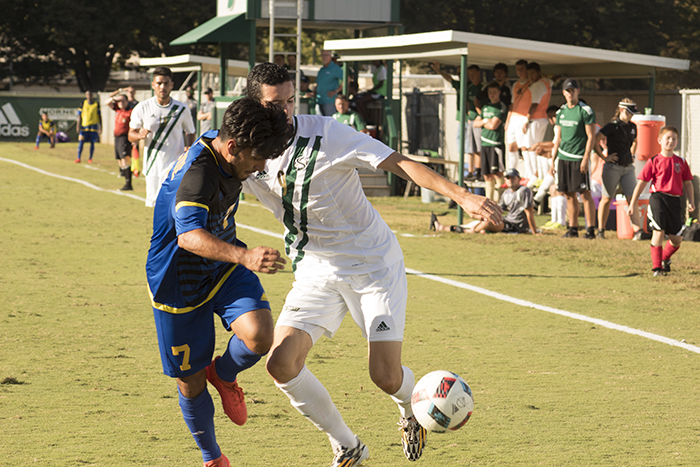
<point>197,267</point>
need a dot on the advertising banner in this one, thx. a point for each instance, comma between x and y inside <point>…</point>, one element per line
<point>20,114</point>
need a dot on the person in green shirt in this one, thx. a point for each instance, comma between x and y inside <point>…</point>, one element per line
<point>347,116</point>
<point>574,136</point>
<point>491,123</point>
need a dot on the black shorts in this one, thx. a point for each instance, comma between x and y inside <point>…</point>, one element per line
<point>570,177</point>
<point>509,227</point>
<point>492,159</point>
<point>664,213</point>
<point>122,147</point>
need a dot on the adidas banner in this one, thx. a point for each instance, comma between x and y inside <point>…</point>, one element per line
<point>20,115</point>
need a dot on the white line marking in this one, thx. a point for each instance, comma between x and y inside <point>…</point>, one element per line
<point>461,285</point>
<point>76,180</point>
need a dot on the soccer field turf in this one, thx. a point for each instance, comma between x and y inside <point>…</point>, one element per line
<point>82,385</point>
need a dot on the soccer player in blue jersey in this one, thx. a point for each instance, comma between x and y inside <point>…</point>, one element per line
<point>197,267</point>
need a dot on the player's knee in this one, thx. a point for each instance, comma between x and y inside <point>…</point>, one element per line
<point>259,342</point>
<point>281,366</point>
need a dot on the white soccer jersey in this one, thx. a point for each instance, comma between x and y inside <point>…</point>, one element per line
<point>167,125</point>
<point>315,191</point>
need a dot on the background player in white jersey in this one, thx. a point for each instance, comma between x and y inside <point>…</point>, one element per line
<point>166,126</point>
<point>345,258</point>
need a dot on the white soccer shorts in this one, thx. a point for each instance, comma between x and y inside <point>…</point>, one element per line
<point>376,302</point>
<point>515,131</point>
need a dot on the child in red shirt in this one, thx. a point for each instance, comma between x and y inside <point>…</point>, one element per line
<point>122,145</point>
<point>669,175</point>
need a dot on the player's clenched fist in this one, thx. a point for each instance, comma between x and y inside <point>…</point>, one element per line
<point>263,259</point>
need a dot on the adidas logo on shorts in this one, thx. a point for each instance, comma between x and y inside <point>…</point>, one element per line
<point>382,327</point>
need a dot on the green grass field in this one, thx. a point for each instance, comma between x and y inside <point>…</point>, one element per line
<point>81,382</point>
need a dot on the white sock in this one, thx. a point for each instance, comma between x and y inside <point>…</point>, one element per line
<point>513,159</point>
<point>402,397</point>
<point>311,399</point>
<point>544,187</point>
<point>560,209</point>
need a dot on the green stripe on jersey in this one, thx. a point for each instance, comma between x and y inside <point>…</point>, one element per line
<point>304,203</point>
<point>159,138</point>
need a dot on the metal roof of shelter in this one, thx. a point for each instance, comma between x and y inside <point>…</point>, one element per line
<point>487,50</point>
<point>180,63</point>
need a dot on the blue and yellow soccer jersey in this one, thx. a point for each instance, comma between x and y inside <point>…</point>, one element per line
<point>197,194</point>
<point>48,125</point>
<point>89,115</point>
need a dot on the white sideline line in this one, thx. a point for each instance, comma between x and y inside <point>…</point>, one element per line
<point>568,314</point>
<point>461,285</point>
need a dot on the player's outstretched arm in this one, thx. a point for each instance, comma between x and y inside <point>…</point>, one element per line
<point>477,207</point>
<point>259,259</point>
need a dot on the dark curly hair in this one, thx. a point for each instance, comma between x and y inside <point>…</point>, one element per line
<point>250,124</point>
<point>268,74</point>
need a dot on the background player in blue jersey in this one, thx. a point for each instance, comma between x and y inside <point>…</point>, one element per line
<point>196,267</point>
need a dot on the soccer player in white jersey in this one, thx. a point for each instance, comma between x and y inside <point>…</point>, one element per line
<point>167,127</point>
<point>344,257</point>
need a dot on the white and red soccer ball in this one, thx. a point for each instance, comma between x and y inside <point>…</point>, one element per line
<point>442,401</point>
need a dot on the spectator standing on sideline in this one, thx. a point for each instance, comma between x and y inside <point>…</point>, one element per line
<point>47,129</point>
<point>206,113</point>
<point>166,127</point>
<point>669,176</point>
<point>344,257</point>
<point>574,137</point>
<point>191,102</point>
<point>500,75</point>
<point>516,199</point>
<point>88,125</point>
<point>536,126</point>
<point>491,122</point>
<point>122,145</point>
<point>621,140</point>
<point>516,139</point>
<point>197,268</point>
<point>329,82</point>
<point>346,116</point>
<point>135,158</point>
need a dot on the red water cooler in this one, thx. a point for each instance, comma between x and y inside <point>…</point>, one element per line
<point>648,127</point>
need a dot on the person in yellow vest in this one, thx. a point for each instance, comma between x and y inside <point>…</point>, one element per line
<point>88,125</point>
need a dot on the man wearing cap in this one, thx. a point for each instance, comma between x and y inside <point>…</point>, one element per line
<point>516,199</point>
<point>574,135</point>
<point>621,135</point>
<point>206,112</point>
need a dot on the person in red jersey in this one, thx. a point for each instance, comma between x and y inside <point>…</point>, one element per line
<point>670,176</point>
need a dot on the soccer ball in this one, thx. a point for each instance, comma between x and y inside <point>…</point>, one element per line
<point>442,401</point>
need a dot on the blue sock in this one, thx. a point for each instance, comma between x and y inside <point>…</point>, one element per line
<point>92,150</point>
<point>80,148</point>
<point>237,358</point>
<point>38,140</point>
<point>199,417</point>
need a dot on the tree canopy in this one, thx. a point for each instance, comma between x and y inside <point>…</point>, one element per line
<point>41,40</point>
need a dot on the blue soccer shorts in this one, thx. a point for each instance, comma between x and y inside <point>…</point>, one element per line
<point>186,336</point>
<point>90,136</point>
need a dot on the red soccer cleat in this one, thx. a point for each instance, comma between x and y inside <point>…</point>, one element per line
<point>77,161</point>
<point>89,161</point>
<point>220,462</point>
<point>232,396</point>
